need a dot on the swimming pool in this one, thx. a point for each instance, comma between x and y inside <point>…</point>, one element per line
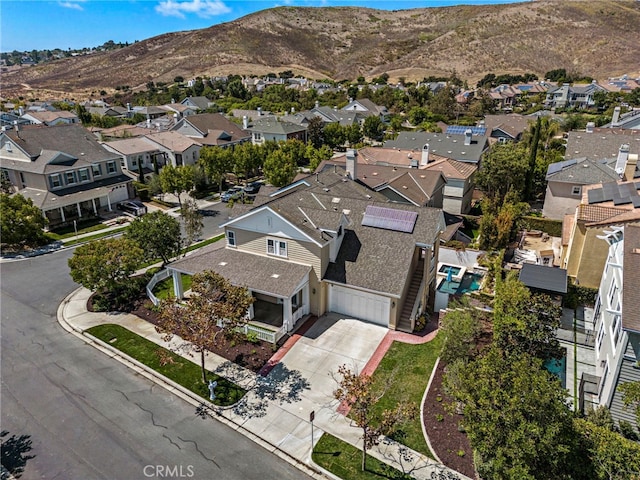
<point>558,368</point>
<point>470,282</point>
<point>455,271</point>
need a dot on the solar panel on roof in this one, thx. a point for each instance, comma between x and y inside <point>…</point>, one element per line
<point>609,190</point>
<point>636,201</point>
<point>460,129</point>
<point>620,200</point>
<point>556,167</point>
<point>595,196</point>
<point>389,219</point>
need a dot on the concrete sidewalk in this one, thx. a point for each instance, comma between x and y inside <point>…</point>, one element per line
<point>274,413</point>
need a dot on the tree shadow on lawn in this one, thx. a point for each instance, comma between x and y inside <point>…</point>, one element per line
<point>281,385</point>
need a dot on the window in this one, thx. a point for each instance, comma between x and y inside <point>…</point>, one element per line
<point>84,174</point>
<point>613,291</point>
<point>8,147</point>
<point>231,238</point>
<point>134,162</point>
<point>257,135</point>
<point>54,181</point>
<point>70,178</point>
<point>615,330</point>
<point>576,190</point>
<point>599,337</point>
<point>604,377</point>
<point>96,170</point>
<point>111,168</point>
<point>276,247</point>
<point>340,231</point>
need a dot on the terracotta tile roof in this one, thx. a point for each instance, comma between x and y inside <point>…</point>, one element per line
<point>631,267</point>
<point>597,213</point>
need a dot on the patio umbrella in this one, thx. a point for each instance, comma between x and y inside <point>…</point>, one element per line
<point>449,275</point>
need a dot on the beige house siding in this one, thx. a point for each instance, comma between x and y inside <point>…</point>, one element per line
<point>587,255</point>
<point>305,253</point>
<point>559,201</point>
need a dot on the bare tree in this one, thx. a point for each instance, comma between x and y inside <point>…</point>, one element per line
<point>360,395</point>
<point>216,307</point>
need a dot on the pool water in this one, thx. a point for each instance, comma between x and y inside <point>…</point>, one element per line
<point>455,271</point>
<point>558,368</point>
<point>470,283</point>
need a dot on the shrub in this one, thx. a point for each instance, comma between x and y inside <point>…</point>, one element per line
<point>627,430</point>
<point>551,227</point>
<point>252,337</point>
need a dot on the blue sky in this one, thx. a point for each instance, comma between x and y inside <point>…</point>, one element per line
<point>44,24</point>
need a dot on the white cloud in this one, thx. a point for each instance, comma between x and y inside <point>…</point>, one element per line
<point>202,8</point>
<point>73,5</point>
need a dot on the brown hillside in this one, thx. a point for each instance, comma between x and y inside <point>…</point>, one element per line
<point>592,37</point>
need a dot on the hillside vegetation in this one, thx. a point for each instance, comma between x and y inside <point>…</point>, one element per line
<point>592,37</point>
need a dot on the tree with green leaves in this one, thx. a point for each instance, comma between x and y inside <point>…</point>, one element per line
<point>373,128</point>
<point>360,395</point>
<point>631,396</point>
<point>315,132</point>
<point>104,265</point>
<point>461,329</point>
<point>192,221</point>
<point>279,168</point>
<point>316,155</point>
<point>500,221</point>
<point>158,234</point>
<point>21,222</point>
<point>515,417</point>
<point>217,307</point>
<point>177,180</point>
<point>334,135</point>
<point>216,163</point>
<point>504,170</point>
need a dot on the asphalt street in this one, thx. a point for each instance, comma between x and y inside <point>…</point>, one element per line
<point>74,413</point>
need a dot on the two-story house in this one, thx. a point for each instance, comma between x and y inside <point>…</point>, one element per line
<point>573,96</point>
<point>136,153</point>
<point>211,129</point>
<point>328,244</point>
<point>617,316</point>
<point>64,170</point>
<point>176,149</point>
<point>464,147</point>
<point>59,117</point>
<point>265,129</point>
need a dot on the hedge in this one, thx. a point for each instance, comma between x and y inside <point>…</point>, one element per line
<point>551,227</point>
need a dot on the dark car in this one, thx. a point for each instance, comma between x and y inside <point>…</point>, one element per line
<point>233,193</point>
<point>134,207</point>
<point>252,188</point>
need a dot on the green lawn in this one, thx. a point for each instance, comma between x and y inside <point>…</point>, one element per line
<point>178,369</point>
<point>94,237</point>
<point>165,288</point>
<point>345,461</point>
<point>409,367</point>
<point>83,227</point>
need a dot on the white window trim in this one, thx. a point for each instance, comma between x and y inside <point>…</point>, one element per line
<point>115,168</point>
<point>277,247</point>
<point>57,177</point>
<point>576,190</point>
<point>600,337</point>
<point>86,170</point>
<point>66,178</point>
<point>231,238</point>
<point>96,168</point>
<point>615,330</point>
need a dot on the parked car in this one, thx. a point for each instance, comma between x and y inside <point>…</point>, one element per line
<point>233,193</point>
<point>252,188</point>
<point>134,207</point>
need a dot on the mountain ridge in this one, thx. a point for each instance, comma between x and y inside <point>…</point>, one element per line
<point>598,38</point>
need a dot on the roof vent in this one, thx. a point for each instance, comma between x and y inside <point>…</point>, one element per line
<point>335,200</point>
<point>222,264</point>
<point>275,275</point>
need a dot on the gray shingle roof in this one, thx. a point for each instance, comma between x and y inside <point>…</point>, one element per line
<point>602,144</point>
<point>540,277</point>
<point>272,125</point>
<point>214,122</point>
<point>583,172</point>
<point>450,146</point>
<point>258,273</point>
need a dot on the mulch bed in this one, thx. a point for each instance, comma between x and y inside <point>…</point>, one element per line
<point>442,427</point>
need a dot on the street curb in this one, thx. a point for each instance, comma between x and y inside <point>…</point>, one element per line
<point>174,388</point>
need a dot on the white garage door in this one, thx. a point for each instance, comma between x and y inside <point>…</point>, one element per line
<point>354,303</point>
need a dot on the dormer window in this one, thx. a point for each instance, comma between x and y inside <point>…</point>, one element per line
<point>276,247</point>
<point>54,180</point>
<point>231,238</point>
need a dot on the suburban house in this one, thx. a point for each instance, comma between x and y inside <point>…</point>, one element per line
<point>180,110</point>
<point>331,115</point>
<point>364,108</point>
<point>602,206</point>
<point>565,181</point>
<point>328,244</point>
<point>199,103</point>
<point>617,349</point>
<point>150,113</point>
<point>459,177</point>
<point>463,147</point>
<point>265,129</point>
<point>137,152</point>
<point>573,96</point>
<point>64,170</point>
<point>505,97</point>
<point>107,111</point>
<point>61,117</point>
<point>506,127</point>
<point>211,129</point>
<point>177,149</point>
<point>602,143</point>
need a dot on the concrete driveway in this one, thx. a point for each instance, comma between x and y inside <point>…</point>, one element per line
<point>332,341</point>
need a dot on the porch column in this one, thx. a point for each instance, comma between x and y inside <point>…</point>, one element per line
<point>95,210</point>
<point>287,314</point>
<point>251,311</point>
<point>79,210</point>
<point>177,284</point>
<point>305,300</point>
<point>62,214</point>
<point>109,203</point>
